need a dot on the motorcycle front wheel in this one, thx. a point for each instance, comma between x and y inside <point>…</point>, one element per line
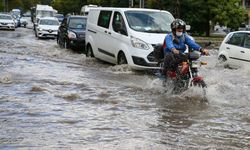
<point>200,83</point>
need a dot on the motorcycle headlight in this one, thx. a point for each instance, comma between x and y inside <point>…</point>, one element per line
<point>138,43</point>
<point>195,64</point>
<point>71,35</point>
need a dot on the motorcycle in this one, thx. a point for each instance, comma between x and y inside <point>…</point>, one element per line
<point>186,75</point>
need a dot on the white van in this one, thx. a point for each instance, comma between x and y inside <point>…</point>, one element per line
<point>126,35</point>
<point>42,11</point>
<point>85,9</point>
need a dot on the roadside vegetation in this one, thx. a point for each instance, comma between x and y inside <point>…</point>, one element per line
<point>202,15</point>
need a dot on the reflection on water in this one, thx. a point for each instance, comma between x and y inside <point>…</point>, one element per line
<point>52,98</point>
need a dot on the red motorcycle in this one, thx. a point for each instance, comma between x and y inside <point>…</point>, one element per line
<point>186,75</point>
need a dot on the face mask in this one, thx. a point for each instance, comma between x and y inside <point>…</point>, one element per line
<point>179,33</point>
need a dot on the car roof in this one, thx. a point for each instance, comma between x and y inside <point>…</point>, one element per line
<point>3,14</point>
<point>59,15</point>
<point>245,31</point>
<point>76,16</point>
<point>49,18</point>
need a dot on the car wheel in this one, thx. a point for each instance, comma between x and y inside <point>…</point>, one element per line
<point>122,59</point>
<point>89,51</point>
<point>222,59</point>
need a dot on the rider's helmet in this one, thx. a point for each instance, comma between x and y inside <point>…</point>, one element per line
<point>178,23</point>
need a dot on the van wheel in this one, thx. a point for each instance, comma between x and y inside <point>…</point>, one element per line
<point>89,51</point>
<point>122,59</point>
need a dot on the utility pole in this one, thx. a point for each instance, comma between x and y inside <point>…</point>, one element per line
<point>141,3</point>
<point>131,3</point>
<point>177,9</point>
<point>6,5</point>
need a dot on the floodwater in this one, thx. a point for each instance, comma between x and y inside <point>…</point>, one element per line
<point>53,98</point>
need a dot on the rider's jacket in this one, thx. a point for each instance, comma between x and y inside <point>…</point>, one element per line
<point>183,40</point>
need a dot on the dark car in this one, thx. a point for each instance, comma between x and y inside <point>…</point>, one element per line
<point>60,17</point>
<point>71,33</point>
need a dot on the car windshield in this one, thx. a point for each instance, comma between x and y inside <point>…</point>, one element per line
<point>5,17</point>
<point>49,22</point>
<point>78,23</point>
<point>42,13</point>
<point>59,16</point>
<point>16,13</point>
<point>151,22</point>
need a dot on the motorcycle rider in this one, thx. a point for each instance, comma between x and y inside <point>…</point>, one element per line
<point>175,44</point>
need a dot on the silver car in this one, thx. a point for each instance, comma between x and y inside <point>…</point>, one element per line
<point>7,22</point>
<point>47,27</point>
<point>234,50</point>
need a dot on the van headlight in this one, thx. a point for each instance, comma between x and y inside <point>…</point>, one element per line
<point>138,43</point>
<point>71,35</point>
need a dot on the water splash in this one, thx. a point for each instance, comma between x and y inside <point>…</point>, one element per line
<point>6,79</point>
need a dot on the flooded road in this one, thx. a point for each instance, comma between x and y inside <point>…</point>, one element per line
<point>53,98</point>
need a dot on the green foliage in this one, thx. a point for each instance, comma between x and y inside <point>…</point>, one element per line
<point>200,14</point>
<point>15,4</point>
<point>1,7</point>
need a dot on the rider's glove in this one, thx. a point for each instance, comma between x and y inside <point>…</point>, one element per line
<point>204,51</point>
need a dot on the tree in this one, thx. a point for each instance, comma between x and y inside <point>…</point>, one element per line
<point>1,7</point>
<point>203,14</point>
<point>68,6</point>
<point>228,13</point>
<point>15,4</point>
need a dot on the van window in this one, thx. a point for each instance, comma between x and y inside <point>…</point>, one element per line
<point>104,19</point>
<point>118,24</point>
<point>236,39</point>
<point>149,21</point>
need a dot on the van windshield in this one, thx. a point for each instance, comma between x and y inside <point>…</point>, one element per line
<point>43,13</point>
<point>151,22</point>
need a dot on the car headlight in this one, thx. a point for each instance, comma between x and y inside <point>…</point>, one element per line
<point>71,35</point>
<point>138,43</point>
<point>39,29</point>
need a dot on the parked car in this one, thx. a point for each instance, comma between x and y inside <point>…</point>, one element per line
<point>23,21</point>
<point>7,22</point>
<point>47,27</point>
<point>234,50</point>
<point>126,35</point>
<point>16,14</point>
<point>16,20</point>
<point>60,17</point>
<point>71,33</point>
